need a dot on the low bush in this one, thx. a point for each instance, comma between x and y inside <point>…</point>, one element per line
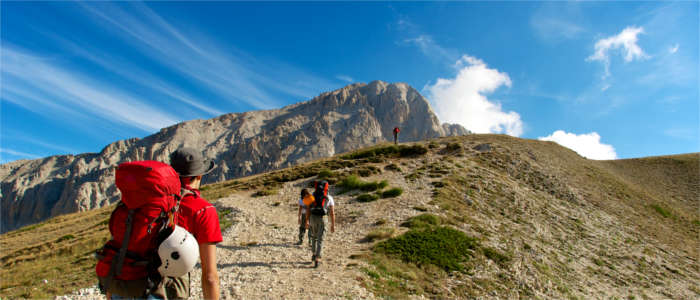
<point>353,183</point>
<point>662,211</point>
<point>265,192</point>
<point>325,174</point>
<point>422,221</point>
<point>379,234</point>
<point>444,247</point>
<point>496,256</point>
<point>367,197</point>
<point>390,193</point>
<point>401,151</point>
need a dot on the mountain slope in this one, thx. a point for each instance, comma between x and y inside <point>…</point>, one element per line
<point>242,144</point>
<point>543,223</point>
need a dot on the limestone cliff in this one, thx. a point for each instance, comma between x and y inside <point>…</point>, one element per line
<point>242,144</point>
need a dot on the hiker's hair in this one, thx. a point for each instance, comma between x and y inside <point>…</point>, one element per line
<point>304,192</point>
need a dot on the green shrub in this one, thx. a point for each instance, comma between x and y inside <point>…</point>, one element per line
<point>367,197</point>
<point>353,183</point>
<point>401,151</point>
<point>225,217</point>
<point>662,211</point>
<point>379,234</point>
<point>496,256</point>
<point>453,147</point>
<point>444,247</point>
<point>414,150</point>
<point>420,208</point>
<point>325,174</point>
<point>393,167</point>
<point>395,192</point>
<point>65,238</point>
<point>422,221</point>
<point>265,192</point>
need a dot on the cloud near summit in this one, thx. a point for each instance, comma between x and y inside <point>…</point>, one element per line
<point>587,145</point>
<point>462,100</point>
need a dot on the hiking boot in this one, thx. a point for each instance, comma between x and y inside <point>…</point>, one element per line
<point>315,263</point>
<point>299,242</point>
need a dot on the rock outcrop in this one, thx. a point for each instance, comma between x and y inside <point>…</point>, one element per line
<point>242,144</point>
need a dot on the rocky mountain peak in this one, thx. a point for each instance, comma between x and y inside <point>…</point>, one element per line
<point>357,115</point>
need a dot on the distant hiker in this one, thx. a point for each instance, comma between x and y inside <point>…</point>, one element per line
<point>146,244</point>
<point>322,205</point>
<point>304,201</point>
<point>200,218</point>
<point>396,135</point>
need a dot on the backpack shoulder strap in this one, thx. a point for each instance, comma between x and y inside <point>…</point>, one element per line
<point>116,268</point>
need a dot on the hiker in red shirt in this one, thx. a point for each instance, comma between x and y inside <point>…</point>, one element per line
<point>198,217</point>
<point>396,135</point>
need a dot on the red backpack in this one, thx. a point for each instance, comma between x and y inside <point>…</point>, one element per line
<point>320,205</point>
<point>128,263</point>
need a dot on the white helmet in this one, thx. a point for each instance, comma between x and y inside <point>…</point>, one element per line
<point>178,253</point>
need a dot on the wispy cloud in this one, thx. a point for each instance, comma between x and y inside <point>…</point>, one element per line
<point>673,49</point>
<point>432,49</point>
<point>587,145</point>
<point>682,134</point>
<point>345,78</point>
<point>556,21</point>
<point>463,100</point>
<point>43,86</point>
<point>625,41</point>
<point>23,137</point>
<point>16,153</point>
<point>230,73</point>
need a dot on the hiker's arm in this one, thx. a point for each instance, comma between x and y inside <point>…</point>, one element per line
<point>308,215</point>
<point>332,209</point>
<point>210,276</point>
<point>299,215</point>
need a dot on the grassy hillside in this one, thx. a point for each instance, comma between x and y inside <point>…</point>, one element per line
<point>523,219</point>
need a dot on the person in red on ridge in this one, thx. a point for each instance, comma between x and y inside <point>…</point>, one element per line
<point>396,135</point>
<point>198,217</point>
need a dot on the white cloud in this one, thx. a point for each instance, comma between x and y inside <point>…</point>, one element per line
<point>462,99</point>
<point>587,145</point>
<point>626,41</point>
<point>345,78</point>
<point>673,49</point>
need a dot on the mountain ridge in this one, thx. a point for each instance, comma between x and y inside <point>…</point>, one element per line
<point>242,144</point>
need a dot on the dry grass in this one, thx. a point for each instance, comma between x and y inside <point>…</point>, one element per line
<point>550,224</point>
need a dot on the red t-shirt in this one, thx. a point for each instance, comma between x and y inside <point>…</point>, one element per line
<point>199,217</point>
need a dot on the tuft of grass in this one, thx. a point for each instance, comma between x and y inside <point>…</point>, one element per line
<point>422,221</point>
<point>367,197</point>
<point>444,247</point>
<point>352,182</point>
<point>379,234</point>
<point>420,208</point>
<point>390,193</point>
<point>380,222</point>
<point>393,167</point>
<point>225,218</point>
<point>383,151</point>
<point>325,174</point>
<point>265,192</point>
<point>65,238</point>
<point>496,256</point>
<point>662,211</point>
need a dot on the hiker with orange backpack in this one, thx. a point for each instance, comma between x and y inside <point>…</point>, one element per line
<point>304,202</point>
<point>198,217</point>
<point>322,205</point>
<point>146,244</point>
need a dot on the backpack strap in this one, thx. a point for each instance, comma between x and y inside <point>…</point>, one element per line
<point>116,268</point>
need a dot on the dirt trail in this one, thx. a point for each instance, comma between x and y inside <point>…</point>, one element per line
<point>258,258</point>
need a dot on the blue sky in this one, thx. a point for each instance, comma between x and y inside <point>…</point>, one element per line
<point>607,79</point>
